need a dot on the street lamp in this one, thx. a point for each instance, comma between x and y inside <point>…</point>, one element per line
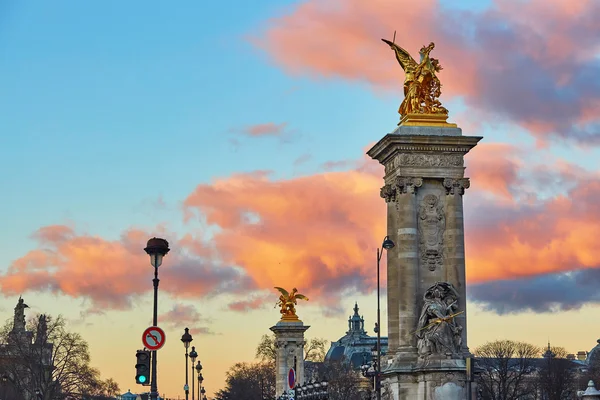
<point>156,248</point>
<point>387,244</point>
<point>203,394</point>
<point>198,369</point>
<point>186,338</point>
<point>193,356</point>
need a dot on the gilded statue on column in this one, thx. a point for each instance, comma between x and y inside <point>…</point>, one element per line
<point>287,302</point>
<point>422,88</point>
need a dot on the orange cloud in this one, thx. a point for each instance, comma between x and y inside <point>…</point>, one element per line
<point>108,271</point>
<point>494,168</point>
<point>319,233</point>
<point>315,232</point>
<point>530,62</point>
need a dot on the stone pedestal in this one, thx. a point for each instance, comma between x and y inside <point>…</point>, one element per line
<point>424,184</point>
<point>289,341</point>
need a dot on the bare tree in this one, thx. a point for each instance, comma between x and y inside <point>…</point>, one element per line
<point>505,369</point>
<point>344,383</point>
<point>556,377</point>
<point>314,349</point>
<point>249,381</point>
<point>48,361</point>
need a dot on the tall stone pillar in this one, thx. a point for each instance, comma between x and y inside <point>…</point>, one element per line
<point>289,341</point>
<point>424,184</point>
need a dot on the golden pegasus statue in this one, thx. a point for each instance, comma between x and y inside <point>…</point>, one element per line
<point>422,88</point>
<point>287,302</point>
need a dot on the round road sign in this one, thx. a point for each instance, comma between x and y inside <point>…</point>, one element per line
<point>153,338</point>
<point>291,378</point>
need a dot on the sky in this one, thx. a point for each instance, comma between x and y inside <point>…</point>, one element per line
<point>237,131</point>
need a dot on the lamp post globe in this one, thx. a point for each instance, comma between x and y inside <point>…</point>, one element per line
<point>186,338</point>
<point>156,248</point>
<point>198,367</point>
<point>387,243</point>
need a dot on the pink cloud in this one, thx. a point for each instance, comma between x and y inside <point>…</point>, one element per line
<point>530,62</point>
<point>319,232</point>
<point>266,129</point>
<point>109,271</point>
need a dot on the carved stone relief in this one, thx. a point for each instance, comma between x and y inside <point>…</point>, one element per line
<point>432,224</point>
<point>438,333</point>
<point>456,186</point>
<point>427,160</point>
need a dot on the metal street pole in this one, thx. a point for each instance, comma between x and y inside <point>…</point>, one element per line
<point>378,377</point>
<point>154,384</point>
<point>386,244</point>
<point>156,248</point>
<point>187,391</point>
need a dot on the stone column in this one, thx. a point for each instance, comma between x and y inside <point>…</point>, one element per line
<point>454,247</point>
<point>407,264</point>
<point>289,341</point>
<point>424,183</point>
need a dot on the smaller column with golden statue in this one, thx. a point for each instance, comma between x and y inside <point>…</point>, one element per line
<point>289,341</point>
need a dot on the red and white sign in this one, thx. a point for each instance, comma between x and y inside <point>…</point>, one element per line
<point>291,378</point>
<point>153,338</point>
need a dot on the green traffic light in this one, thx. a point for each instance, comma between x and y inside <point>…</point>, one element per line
<point>142,379</point>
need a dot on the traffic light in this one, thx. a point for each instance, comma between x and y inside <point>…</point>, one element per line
<point>142,367</point>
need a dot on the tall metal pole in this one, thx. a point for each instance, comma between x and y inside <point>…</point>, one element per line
<point>199,390</point>
<point>378,376</point>
<point>154,384</point>
<point>187,390</point>
<point>192,379</point>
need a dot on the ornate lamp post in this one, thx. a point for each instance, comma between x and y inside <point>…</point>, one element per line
<point>186,339</point>
<point>203,394</point>
<point>156,248</point>
<point>387,244</point>
<point>193,356</point>
<point>200,388</point>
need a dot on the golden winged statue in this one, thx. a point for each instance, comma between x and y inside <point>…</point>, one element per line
<point>422,88</point>
<point>287,302</point>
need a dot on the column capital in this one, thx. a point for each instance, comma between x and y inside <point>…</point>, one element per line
<point>408,184</point>
<point>401,185</point>
<point>456,186</point>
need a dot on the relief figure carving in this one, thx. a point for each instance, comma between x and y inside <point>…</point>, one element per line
<point>437,332</point>
<point>428,160</point>
<point>432,223</point>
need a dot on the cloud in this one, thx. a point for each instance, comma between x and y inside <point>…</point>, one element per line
<point>530,62</point>
<point>108,271</point>
<point>546,293</point>
<point>181,315</point>
<point>557,234</point>
<point>252,303</point>
<point>311,232</point>
<point>319,233</point>
<point>266,129</point>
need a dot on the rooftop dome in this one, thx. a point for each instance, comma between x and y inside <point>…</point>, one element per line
<point>594,354</point>
<point>355,346</point>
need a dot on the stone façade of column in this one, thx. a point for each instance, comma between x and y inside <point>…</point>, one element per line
<point>289,341</point>
<point>424,184</point>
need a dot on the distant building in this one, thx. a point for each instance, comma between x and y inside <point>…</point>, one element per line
<point>356,345</point>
